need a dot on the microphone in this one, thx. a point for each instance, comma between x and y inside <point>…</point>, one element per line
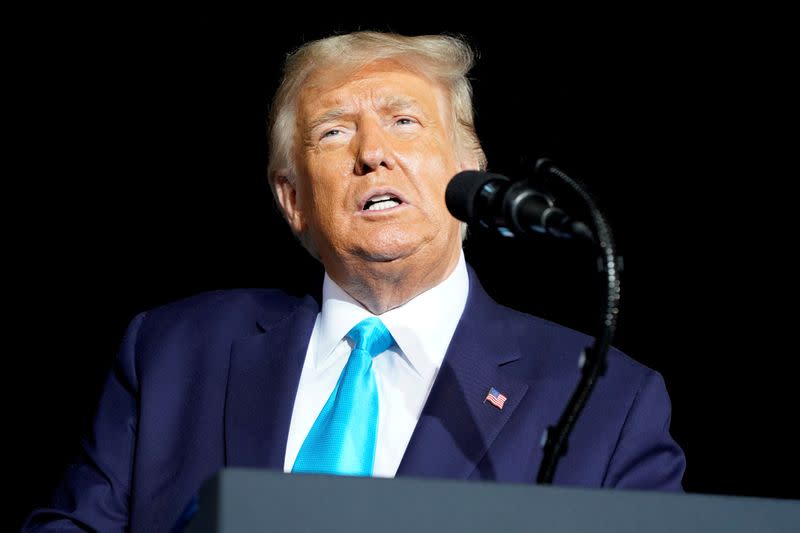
<point>512,208</point>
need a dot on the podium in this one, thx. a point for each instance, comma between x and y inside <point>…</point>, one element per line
<point>247,500</point>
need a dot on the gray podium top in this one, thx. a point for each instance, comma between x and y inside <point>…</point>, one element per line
<point>242,500</point>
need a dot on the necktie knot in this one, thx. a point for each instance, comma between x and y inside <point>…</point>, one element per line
<point>371,336</point>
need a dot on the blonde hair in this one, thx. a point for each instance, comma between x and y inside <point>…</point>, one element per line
<point>444,59</point>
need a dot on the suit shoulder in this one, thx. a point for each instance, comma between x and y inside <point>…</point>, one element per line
<point>222,314</point>
<point>563,345</point>
<point>221,303</point>
<point>203,327</point>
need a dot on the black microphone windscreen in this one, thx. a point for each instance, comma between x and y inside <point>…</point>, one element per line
<point>462,191</point>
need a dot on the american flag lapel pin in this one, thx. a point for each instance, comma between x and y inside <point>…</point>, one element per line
<point>495,398</point>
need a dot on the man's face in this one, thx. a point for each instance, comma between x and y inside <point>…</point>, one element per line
<point>375,152</point>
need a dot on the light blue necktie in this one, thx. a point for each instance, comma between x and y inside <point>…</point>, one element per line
<point>342,439</point>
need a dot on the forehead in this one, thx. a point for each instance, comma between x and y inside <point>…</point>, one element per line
<point>380,83</point>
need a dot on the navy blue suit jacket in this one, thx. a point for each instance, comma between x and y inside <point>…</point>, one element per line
<point>209,382</point>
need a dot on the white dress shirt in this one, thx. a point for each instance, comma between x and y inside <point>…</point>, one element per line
<point>422,329</point>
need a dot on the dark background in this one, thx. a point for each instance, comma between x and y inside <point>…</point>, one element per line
<point>142,155</point>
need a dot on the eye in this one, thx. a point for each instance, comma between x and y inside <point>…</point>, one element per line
<point>405,121</point>
<point>331,133</point>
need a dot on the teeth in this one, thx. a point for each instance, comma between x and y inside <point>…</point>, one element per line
<point>380,198</point>
<point>383,204</point>
<point>380,202</point>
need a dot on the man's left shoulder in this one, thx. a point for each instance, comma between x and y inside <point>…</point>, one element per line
<point>556,350</point>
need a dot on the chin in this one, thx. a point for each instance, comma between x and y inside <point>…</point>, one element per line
<point>404,243</point>
<point>385,254</point>
<point>390,246</point>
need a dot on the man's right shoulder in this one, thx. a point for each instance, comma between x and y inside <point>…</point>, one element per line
<point>247,302</point>
<point>231,312</point>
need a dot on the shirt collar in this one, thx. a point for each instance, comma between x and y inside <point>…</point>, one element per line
<point>422,327</point>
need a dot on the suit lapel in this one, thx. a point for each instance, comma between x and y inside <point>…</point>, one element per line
<point>264,374</point>
<point>457,426</point>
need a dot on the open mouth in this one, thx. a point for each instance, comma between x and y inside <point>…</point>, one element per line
<point>381,202</point>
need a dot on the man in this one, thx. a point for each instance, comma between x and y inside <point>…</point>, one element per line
<point>406,366</point>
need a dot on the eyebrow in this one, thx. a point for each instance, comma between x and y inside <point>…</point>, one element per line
<point>328,116</point>
<point>399,103</point>
<point>392,104</point>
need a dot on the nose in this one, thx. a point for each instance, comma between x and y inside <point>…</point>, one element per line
<point>374,149</point>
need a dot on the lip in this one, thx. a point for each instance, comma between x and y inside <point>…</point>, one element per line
<point>378,191</point>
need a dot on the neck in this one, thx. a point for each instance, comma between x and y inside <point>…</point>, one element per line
<point>382,286</point>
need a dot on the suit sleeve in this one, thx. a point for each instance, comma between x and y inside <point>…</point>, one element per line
<point>646,456</point>
<point>94,493</point>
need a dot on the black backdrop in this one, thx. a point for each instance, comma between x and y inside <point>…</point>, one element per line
<point>143,181</point>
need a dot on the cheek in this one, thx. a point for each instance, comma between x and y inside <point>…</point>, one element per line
<point>431,157</point>
<point>336,163</point>
<point>327,184</point>
<point>437,168</point>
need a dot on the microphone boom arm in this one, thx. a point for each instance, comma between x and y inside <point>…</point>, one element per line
<point>593,360</point>
<point>496,203</point>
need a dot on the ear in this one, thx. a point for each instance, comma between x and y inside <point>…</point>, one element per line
<point>286,194</point>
